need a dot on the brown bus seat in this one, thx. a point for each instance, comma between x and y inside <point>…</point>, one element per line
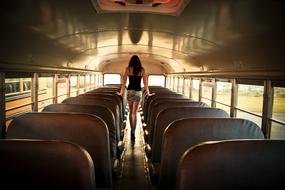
<point>43,164</point>
<point>155,102</point>
<point>117,99</point>
<point>101,111</point>
<point>86,130</point>
<point>112,91</point>
<point>161,104</point>
<point>89,100</point>
<point>168,115</point>
<point>184,133</point>
<point>153,89</point>
<point>235,165</point>
<point>150,99</point>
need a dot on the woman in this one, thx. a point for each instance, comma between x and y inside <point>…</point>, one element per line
<point>135,72</point>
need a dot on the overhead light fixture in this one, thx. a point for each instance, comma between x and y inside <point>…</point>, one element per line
<point>120,2</point>
<point>170,7</point>
<point>156,4</point>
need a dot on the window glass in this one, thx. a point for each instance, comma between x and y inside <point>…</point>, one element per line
<point>81,84</point>
<point>100,80</point>
<point>26,85</point>
<point>12,86</point>
<point>278,113</point>
<point>223,107</point>
<point>250,98</point>
<point>175,84</point>
<point>92,82</point>
<point>156,80</point>
<point>45,92</point>
<point>187,87</point>
<point>224,96</point>
<point>171,87</point>
<point>279,104</point>
<point>180,83</point>
<point>253,118</point>
<point>208,102</point>
<point>168,82</point>
<point>207,92</point>
<point>73,86</point>
<point>195,90</point>
<point>17,97</point>
<point>112,79</point>
<point>61,89</point>
<point>277,131</point>
<point>224,92</point>
<point>87,82</point>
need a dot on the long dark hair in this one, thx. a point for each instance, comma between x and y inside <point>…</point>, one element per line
<point>135,63</point>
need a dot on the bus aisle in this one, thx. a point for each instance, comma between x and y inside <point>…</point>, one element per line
<point>135,174</point>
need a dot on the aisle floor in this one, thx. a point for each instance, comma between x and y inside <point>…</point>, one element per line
<point>134,168</point>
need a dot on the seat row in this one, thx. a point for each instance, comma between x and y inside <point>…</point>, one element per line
<point>174,123</point>
<point>93,120</point>
<point>45,164</point>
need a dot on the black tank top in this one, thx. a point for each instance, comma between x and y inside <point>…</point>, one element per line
<point>135,83</point>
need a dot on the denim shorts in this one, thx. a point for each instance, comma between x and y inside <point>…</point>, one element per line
<point>134,96</point>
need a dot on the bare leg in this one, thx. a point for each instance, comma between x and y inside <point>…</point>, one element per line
<point>130,103</point>
<point>133,108</point>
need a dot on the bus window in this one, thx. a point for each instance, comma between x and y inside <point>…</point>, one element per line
<point>156,80</point>
<point>223,98</point>
<point>26,85</point>
<point>45,92</point>
<point>73,86</point>
<point>81,84</point>
<point>278,114</point>
<point>195,89</point>
<point>250,100</point>
<point>110,78</point>
<point>186,87</point>
<point>87,82</point>
<point>61,89</point>
<point>12,86</point>
<point>92,82</point>
<point>180,85</point>
<point>17,97</point>
<point>207,92</point>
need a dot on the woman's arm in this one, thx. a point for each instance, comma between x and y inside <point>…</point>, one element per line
<point>124,81</point>
<point>144,76</point>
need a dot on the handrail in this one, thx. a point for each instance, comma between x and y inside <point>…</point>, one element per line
<point>277,121</point>
<point>254,74</point>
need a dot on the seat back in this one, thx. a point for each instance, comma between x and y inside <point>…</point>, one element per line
<point>39,164</point>
<point>150,99</point>
<point>101,94</point>
<point>86,130</point>
<point>182,134</point>
<point>246,164</point>
<point>168,103</point>
<point>101,111</point>
<point>171,114</point>
<point>107,102</point>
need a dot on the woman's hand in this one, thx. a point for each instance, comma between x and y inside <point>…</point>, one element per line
<point>150,94</point>
<point>119,93</point>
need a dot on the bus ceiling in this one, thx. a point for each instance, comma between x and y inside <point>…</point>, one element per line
<point>171,36</point>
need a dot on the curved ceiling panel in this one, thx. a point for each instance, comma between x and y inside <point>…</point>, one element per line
<point>207,35</point>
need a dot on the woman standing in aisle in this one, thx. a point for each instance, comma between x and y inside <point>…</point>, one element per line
<point>135,72</point>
